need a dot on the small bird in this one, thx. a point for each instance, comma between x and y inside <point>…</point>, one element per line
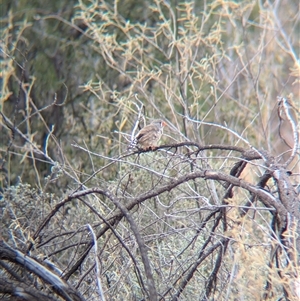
<point>148,137</point>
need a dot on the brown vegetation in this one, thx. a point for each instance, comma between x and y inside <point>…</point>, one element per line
<point>213,213</point>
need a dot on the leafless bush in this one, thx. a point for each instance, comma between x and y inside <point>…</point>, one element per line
<point>211,214</point>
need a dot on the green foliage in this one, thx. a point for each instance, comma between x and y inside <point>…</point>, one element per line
<point>78,76</point>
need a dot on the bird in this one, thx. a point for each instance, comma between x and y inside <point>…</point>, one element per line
<point>147,138</point>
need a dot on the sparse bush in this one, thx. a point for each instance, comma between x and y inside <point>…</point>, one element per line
<point>211,214</point>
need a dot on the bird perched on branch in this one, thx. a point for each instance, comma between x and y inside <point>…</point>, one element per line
<point>148,137</point>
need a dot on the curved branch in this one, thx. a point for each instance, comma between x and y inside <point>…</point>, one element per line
<point>22,291</point>
<point>140,241</point>
<point>60,287</point>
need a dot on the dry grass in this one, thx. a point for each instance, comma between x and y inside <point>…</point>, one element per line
<point>212,71</point>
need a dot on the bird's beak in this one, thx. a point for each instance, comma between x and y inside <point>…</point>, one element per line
<point>164,123</point>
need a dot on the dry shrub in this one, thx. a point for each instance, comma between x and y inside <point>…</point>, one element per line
<point>209,215</point>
